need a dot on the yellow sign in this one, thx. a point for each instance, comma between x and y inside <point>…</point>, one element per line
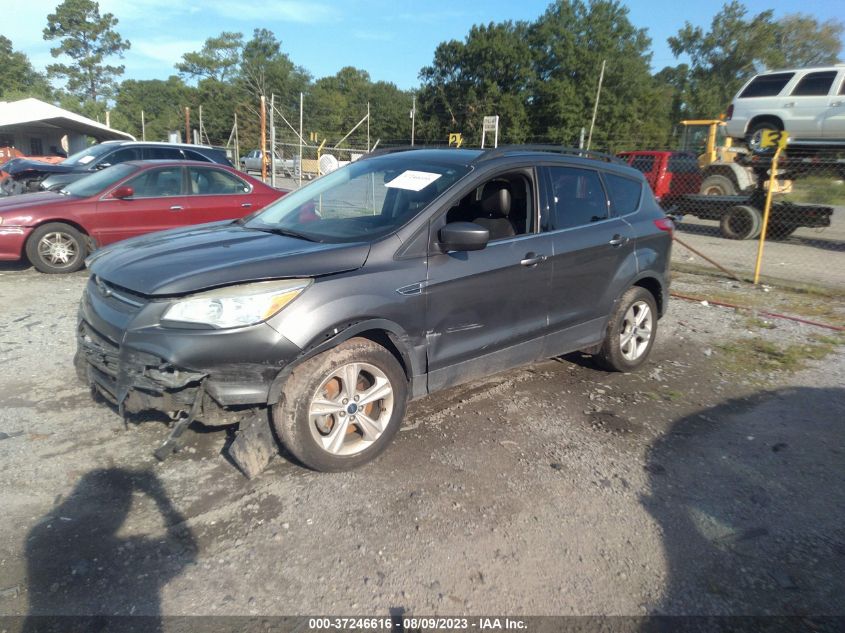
<point>456,139</point>
<point>774,138</point>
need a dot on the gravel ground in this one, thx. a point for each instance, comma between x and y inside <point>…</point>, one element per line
<point>700,485</point>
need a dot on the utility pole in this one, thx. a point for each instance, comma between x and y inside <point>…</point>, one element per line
<point>300,139</point>
<point>413,118</point>
<point>368,126</point>
<point>143,127</point>
<point>200,124</point>
<point>272,140</point>
<point>263,139</point>
<point>108,118</point>
<point>596,106</point>
<point>187,124</point>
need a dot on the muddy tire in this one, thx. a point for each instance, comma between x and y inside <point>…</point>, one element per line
<point>718,185</point>
<point>340,409</point>
<point>56,248</point>
<point>630,332</point>
<point>741,222</point>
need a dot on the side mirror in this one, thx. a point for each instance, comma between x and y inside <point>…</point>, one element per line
<point>122,193</point>
<point>102,165</point>
<point>463,236</point>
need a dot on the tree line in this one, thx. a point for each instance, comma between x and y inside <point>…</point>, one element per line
<point>539,76</point>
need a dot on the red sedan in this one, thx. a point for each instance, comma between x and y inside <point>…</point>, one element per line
<point>56,231</point>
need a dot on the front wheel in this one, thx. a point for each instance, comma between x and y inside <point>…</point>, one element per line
<point>56,248</point>
<point>742,222</point>
<point>630,331</point>
<point>341,409</point>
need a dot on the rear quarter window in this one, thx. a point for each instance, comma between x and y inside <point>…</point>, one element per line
<point>644,163</point>
<point>766,85</point>
<point>625,193</point>
<point>683,164</point>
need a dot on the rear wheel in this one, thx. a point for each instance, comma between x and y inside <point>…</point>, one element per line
<point>718,185</point>
<point>754,139</point>
<point>630,331</point>
<point>56,248</point>
<point>741,222</point>
<point>341,408</point>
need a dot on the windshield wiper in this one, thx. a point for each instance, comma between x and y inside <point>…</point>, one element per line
<point>285,232</point>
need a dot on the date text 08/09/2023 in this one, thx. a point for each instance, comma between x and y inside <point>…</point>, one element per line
<point>417,623</point>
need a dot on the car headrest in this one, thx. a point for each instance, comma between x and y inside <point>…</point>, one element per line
<point>496,199</point>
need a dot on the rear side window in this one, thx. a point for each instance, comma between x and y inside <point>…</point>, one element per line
<point>162,153</point>
<point>624,193</point>
<point>683,164</point>
<point>191,155</point>
<point>644,163</point>
<point>815,84</point>
<point>767,85</point>
<point>578,197</point>
<point>121,156</point>
<point>206,181</point>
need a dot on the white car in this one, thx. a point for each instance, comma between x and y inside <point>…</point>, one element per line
<point>809,103</point>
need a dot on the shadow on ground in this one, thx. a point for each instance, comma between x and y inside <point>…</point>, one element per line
<point>750,498</point>
<point>83,558</point>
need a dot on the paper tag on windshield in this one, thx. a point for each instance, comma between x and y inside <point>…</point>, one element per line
<point>85,160</point>
<point>412,180</point>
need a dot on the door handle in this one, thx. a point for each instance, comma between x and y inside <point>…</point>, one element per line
<point>617,240</point>
<point>176,207</point>
<point>791,104</point>
<point>246,205</point>
<point>836,104</point>
<point>532,259</point>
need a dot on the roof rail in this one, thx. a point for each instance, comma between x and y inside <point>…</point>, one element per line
<point>401,148</point>
<point>552,149</point>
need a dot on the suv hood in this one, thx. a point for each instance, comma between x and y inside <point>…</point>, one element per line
<point>187,260</point>
<point>21,165</point>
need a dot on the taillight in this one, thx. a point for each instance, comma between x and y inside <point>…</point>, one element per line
<point>729,114</point>
<point>665,224</point>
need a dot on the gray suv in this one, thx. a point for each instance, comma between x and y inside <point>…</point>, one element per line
<point>394,277</point>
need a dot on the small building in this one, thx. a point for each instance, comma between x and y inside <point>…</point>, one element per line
<point>37,128</point>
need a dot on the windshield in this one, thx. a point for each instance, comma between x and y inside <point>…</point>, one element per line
<point>98,181</point>
<point>360,202</point>
<point>86,156</point>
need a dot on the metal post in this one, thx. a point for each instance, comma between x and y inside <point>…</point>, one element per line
<point>300,139</point>
<point>368,126</point>
<point>237,145</point>
<point>581,138</point>
<point>263,139</point>
<point>187,124</point>
<point>413,118</point>
<point>596,106</point>
<point>200,135</point>
<point>272,141</point>
<point>108,118</point>
<point>767,209</point>
<point>143,127</point>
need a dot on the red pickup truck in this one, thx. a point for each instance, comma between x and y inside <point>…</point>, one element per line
<point>670,174</point>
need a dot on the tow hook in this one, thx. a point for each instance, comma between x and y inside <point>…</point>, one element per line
<point>173,442</point>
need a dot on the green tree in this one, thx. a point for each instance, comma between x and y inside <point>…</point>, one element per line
<point>569,42</point>
<point>163,104</point>
<point>88,38</point>
<point>488,73</point>
<point>738,46</point>
<point>218,59</point>
<point>18,78</point>
<point>802,41</point>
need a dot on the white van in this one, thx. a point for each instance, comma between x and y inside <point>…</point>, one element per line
<point>809,103</point>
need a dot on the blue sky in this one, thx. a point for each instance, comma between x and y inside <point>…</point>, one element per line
<point>392,40</point>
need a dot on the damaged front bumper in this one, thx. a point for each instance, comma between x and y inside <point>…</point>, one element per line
<point>136,364</point>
